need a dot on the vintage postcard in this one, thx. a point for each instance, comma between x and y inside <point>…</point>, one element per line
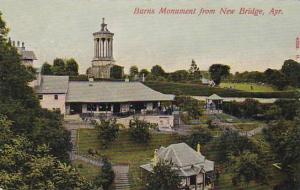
<point>150,95</point>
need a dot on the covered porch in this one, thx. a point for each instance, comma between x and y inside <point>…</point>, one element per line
<point>120,109</point>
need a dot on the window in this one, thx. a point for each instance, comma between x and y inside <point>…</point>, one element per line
<point>104,107</point>
<point>91,107</point>
<point>40,96</point>
<point>55,97</point>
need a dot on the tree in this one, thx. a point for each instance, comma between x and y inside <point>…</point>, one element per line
<point>194,71</point>
<point>284,138</point>
<point>218,71</point>
<point>248,167</point>
<point>276,78</point>
<point>58,67</point>
<point>273,112</point>
<point>116,72</point>
<point>107,175</point>
<point>163,177</point>
<point>157,70</point>
<point>190,105</point>
<point>21,106</point>
<point>47,69</point>
<point>133,71</point>
<point>232,144</point>
<point>71,67</point>
<point>25,165</point>
<point>180,75</point>
<point>251,107</point>
<point>291,69</point>
<point>201,136</point>
<point>288,108</point>
<point>108,131</point>
<point>139,130</point>
<point>144,72</point>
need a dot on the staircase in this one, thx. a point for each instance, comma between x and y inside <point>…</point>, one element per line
<point>121,177</point>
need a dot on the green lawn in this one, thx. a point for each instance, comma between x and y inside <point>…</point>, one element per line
<point>193,89</point>
<point>247,87</point>
<point>85,169</point>
<point>124,150</point>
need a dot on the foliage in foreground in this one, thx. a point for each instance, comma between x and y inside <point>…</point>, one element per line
<point>163,177</point>
<point>284,138</point>
<point>24,165</point>
<point>106,177</point>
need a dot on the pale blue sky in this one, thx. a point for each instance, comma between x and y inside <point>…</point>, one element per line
<point>63,28</point>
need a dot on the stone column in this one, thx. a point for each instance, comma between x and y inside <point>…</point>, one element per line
<point>111,48</point>
<point>102,42</point>
<point>100,45</point>
<point>95,46</point>
<point>107,48</point>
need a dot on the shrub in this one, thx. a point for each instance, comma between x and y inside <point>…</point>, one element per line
<point>108,131</point>
<point>139,130</point>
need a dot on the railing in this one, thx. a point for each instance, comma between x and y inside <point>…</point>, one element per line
<point>109,115</point>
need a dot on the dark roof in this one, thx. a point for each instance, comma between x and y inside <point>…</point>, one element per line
<point>28,55</point>
<point>53,85</point>
<point>187,161</point>
<point>109,91</point>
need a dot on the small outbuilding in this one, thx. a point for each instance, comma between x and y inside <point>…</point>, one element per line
<point>214,104</point>
<point>196,171</point>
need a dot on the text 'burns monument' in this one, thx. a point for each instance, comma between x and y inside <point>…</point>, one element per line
<point>103,60</point>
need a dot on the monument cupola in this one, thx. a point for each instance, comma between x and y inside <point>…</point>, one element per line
<point>103,44</point>
<point>103,60</point>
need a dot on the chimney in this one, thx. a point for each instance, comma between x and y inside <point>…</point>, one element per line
<point>23,46</point>
<point>155,158</point>
<point>38,78</point>
<point>18,43</point>
<point>198,148</point>
<point>91,80</point>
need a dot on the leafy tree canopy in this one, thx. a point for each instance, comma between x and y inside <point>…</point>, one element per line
<point>163,177</point>
<point>218,71</point>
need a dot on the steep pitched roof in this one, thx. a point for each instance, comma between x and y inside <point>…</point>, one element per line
<point>187,161</point>
<point>214,97</point>
<point>28,55</point>
<point>53,85</point>
<point>109,91</point>
<point>181,155</point>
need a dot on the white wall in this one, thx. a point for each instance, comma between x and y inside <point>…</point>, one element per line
<point>50,103</point>
<point>160,120</point>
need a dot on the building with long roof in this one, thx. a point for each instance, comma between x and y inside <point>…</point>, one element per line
<point>109,97</point>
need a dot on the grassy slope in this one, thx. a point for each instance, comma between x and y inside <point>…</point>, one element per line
<point>124,151</point>
<point>247,87</point>
<point>87,170</point>
<point>203,90</point>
